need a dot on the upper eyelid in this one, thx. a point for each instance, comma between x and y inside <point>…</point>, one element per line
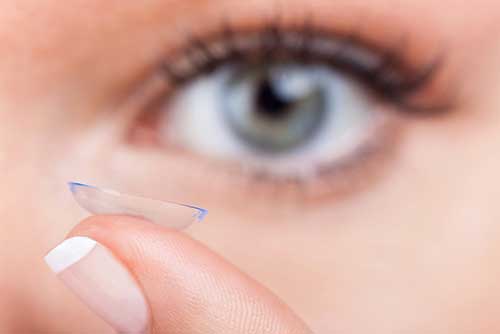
<point>293,37</point>
<point>385,68</point>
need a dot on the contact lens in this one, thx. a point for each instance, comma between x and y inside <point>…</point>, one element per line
<point>110,202</point>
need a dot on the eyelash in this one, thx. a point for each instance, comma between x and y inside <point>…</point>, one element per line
<point>382,69</point>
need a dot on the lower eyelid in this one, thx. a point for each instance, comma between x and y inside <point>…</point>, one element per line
<point>360,171</point>
<point>350,176</point>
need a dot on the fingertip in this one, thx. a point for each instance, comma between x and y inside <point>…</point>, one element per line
<point>186,285</point>
<point>91,266</point>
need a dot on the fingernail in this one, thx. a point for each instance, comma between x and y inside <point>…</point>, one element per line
<point>94,274</point>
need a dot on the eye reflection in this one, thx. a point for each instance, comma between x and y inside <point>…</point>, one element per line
<point>275,108</point>
<point>283,120</point>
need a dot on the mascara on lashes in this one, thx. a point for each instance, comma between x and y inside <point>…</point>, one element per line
<point>381,69</point>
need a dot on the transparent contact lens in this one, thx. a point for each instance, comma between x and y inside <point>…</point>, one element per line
<point>110,202</point>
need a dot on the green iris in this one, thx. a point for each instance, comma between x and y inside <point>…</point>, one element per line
<point>275,108</point>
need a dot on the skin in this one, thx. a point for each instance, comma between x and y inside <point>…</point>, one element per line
<point>417,251</point>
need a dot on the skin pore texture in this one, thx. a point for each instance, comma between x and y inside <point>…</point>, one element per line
<point>418,251</point>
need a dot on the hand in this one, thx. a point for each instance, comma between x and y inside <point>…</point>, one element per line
<point>143,278</point>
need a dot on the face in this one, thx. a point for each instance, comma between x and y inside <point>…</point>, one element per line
<point>346,150</point>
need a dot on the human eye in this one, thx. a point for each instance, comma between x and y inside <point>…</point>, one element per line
<point>289,106</point>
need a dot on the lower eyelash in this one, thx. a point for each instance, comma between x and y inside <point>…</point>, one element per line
<point>339,177</point>
<point>383,70</point>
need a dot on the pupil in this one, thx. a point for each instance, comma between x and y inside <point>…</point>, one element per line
<point>275,109</point>
<point>269,103</point>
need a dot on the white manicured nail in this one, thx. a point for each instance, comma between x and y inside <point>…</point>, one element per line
<point>94,274</point>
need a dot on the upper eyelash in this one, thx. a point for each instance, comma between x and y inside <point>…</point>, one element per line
<point>383,69</point>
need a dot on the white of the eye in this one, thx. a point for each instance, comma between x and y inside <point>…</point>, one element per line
<point>196,123</point>
<point>194,119</point>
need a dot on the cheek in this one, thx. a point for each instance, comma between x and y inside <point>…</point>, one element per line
<point>36,214</point>
<point>422,247</point>
<point>428,246</point>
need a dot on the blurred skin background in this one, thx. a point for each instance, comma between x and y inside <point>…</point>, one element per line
<point>380,218</point>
